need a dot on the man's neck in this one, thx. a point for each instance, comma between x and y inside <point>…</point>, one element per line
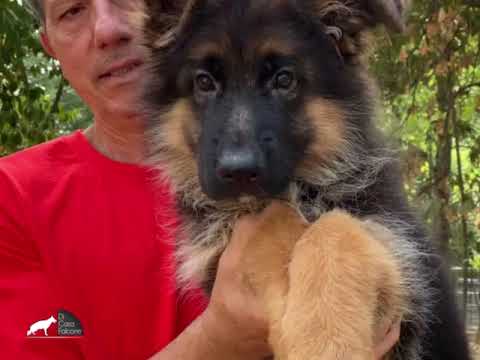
<point>120,143</point>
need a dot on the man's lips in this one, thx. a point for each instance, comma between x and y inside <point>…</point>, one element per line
<point>121,68</point>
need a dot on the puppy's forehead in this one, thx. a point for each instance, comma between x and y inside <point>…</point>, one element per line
<point>274,44</point>
<point>260,47</point>
<point>254,33</point>
<point>217,45</point>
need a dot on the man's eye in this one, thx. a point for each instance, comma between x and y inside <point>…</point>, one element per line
<point>205,83</point>
<point>72,12</point>
<point>285,80</point>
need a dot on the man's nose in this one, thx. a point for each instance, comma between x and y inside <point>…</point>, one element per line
<point>111,24</point>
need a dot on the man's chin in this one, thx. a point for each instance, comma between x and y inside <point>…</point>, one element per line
<point>123,105</point>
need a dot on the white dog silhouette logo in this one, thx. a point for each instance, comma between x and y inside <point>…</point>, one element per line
<point>42,324</point>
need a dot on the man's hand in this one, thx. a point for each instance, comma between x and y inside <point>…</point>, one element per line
<point>234,318</point>
<point>233,326</point>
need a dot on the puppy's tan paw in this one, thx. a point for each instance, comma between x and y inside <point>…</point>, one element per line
<point>340,276</point>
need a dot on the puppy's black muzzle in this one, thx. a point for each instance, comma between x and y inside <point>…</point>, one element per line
<point>246,149</point>
<point>243,168</point>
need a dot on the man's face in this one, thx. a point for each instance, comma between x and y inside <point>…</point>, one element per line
<point>98,51</point>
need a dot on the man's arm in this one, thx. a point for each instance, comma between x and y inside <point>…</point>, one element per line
<point>196,342</point>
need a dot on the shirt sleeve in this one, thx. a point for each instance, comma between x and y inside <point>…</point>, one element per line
<point>25,294</point>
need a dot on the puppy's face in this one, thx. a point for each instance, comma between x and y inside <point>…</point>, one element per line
<point>256,93</point>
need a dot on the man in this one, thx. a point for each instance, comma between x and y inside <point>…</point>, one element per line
<point>84,229</point>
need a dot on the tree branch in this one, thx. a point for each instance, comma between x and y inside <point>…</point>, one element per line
<point>472,3</point>
<point>56,101</point>
<point>465,89</point>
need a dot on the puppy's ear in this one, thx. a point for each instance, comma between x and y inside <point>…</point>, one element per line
<point>154,19</point>
<point>348,21</point>
<point>363,14</point>
<point>157,20</point>
<point>391,13</point>
<point>169,24</point>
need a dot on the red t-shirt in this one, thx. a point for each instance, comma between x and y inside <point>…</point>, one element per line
<point>82,233</point>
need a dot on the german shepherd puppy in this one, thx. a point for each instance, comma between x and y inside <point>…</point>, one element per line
<point>254,101</point>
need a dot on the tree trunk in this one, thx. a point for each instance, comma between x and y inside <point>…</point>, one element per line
<point>441,170</point>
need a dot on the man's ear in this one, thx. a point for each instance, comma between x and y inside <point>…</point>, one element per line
<point>45,41</point>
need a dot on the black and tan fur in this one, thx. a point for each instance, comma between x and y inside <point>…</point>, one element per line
<point>344,252</point>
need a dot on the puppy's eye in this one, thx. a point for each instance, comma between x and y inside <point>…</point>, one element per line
<point>285,80</point>
<point>205,83</point>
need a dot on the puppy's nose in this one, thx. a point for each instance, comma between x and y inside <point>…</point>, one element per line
<point>241,166</point>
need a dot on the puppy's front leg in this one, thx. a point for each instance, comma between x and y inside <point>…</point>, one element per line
<point>343,282</point>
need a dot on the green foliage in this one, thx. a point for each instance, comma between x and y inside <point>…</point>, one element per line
<point>35,103</point>
<point>430,78</point>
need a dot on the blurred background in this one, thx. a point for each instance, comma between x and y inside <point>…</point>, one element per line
<point>430,85</point>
